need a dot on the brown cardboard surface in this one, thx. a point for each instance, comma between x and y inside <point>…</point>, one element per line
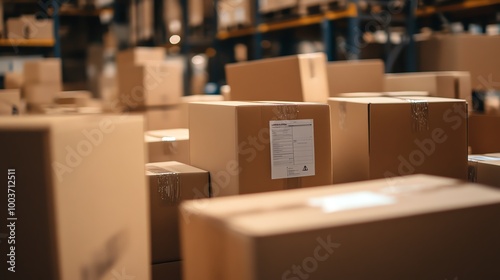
<point>13,80</point>
<point>169,184</point>
<point>159,118</point>
<point>485,169</point>
<point>151,84</point>
<point>8,99</point>
<point>184,106</point>
<point>449,84</point>
<point>81,196</point>
<point>41,93</point>
<point>79,98</point>
<point>231,140</point>
<point>47,70</point>
<point>476,54</point>
<point>375,138</point>
<point>276,5</point>
<point>294,78</point>
<point>168,145</point>
<point>484,134</point>
<point>355,76</point>
<point>417,231</point>
<point>28,27</point>
<point>140,56</point>
<point>167,271</point>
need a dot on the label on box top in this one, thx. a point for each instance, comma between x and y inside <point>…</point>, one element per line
<point>350,201</point>
<point>292,148</point>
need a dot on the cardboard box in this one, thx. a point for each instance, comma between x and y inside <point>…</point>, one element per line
<point>184,106</point>
<point>483,133</point>
<point>80,186</point>
<point>170,183</point>
<point>448,84</point>
<point>151,84</point>
<point>294,78</point>
<point>485,169</point>
<point>10,101</point>
<point>355,76</point>
<point>276,5</point>
<point>476,54</point>
<point>168,145</point>
<point>47,70</point>
<point>247,146</point>
<point>13,80</point>
<point>385,94</point>
<point>79,98</point>
<point>384,137</point>
<point>41,93</point>
<point>28,27</point>
<point>140,56</point>
<point>170,271</point>
<point>415,229</point>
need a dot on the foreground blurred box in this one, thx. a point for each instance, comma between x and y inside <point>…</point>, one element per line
<point>484,135</point>
<point>80,197</point>
<point>355,76</point>
<point>383,137</point>
<point>170,183</point>
<point>168,145</point>
<point>294,78</point>
<point>485,169</point>
<point>420,227</point>
<point>251,147</point>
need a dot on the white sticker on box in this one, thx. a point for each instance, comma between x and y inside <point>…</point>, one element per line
<point>350,201</point>
<point>292,148</point>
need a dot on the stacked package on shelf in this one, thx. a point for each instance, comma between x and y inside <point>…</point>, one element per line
<point>485,169</point>
<point>151,86</point>
<point>42,81</point>
<point>78,195</point>
<point>386,137</point>
<point>418,227</point>
<point>232,14</point>
<point>29,27</point>
<point>170,183</point>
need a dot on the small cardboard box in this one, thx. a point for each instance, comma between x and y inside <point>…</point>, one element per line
<point>483,133</point>
<point>41,93</point>
<point>277,5</point>
<point>416,228</point>
<point>13,80</point>
<point>383,137</point>
<point>10,101</point>
<point>79,184</point>
<point>168,145</point>
<point>47,70</point>
<point>476,54</point>
<point>251,147</point>
<point>28,27</point>
<point>79,98</point>
<point>167,271</point>
<point>448,84</point>
<point>150,84</point>
<point>485,169</point>
<point>169,184</point>
<point>355,76</point>
<point>294,78</point>
<point>140,56</point>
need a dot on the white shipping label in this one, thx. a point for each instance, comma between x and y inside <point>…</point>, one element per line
<point>292,148</point>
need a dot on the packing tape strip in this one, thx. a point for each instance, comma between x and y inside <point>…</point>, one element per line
<point>419,114</point>
<point>342,114</point>
<point>286,111</point>
<point>169,185</point>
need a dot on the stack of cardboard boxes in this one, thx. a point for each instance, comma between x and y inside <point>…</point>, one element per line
<point>42,81</point>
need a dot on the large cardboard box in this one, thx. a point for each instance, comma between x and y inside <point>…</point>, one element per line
<point>413,229</point>
<point>80,197</point>
<point>476,54</point>
<point>448,84</point>
<point>384,137</point>
<point>10,101</point>
<point>483,133</point>
<point>47,70</point>
<point>150,84</point>
<point>485,169</point>
<point>140,56</point>
<point>251,147</point>
<point>41,93</point>
<point>294,78</point>
<point>169,184</point>
<point>168,145</point>
<point>167,271</point>
<point>355,76</point>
